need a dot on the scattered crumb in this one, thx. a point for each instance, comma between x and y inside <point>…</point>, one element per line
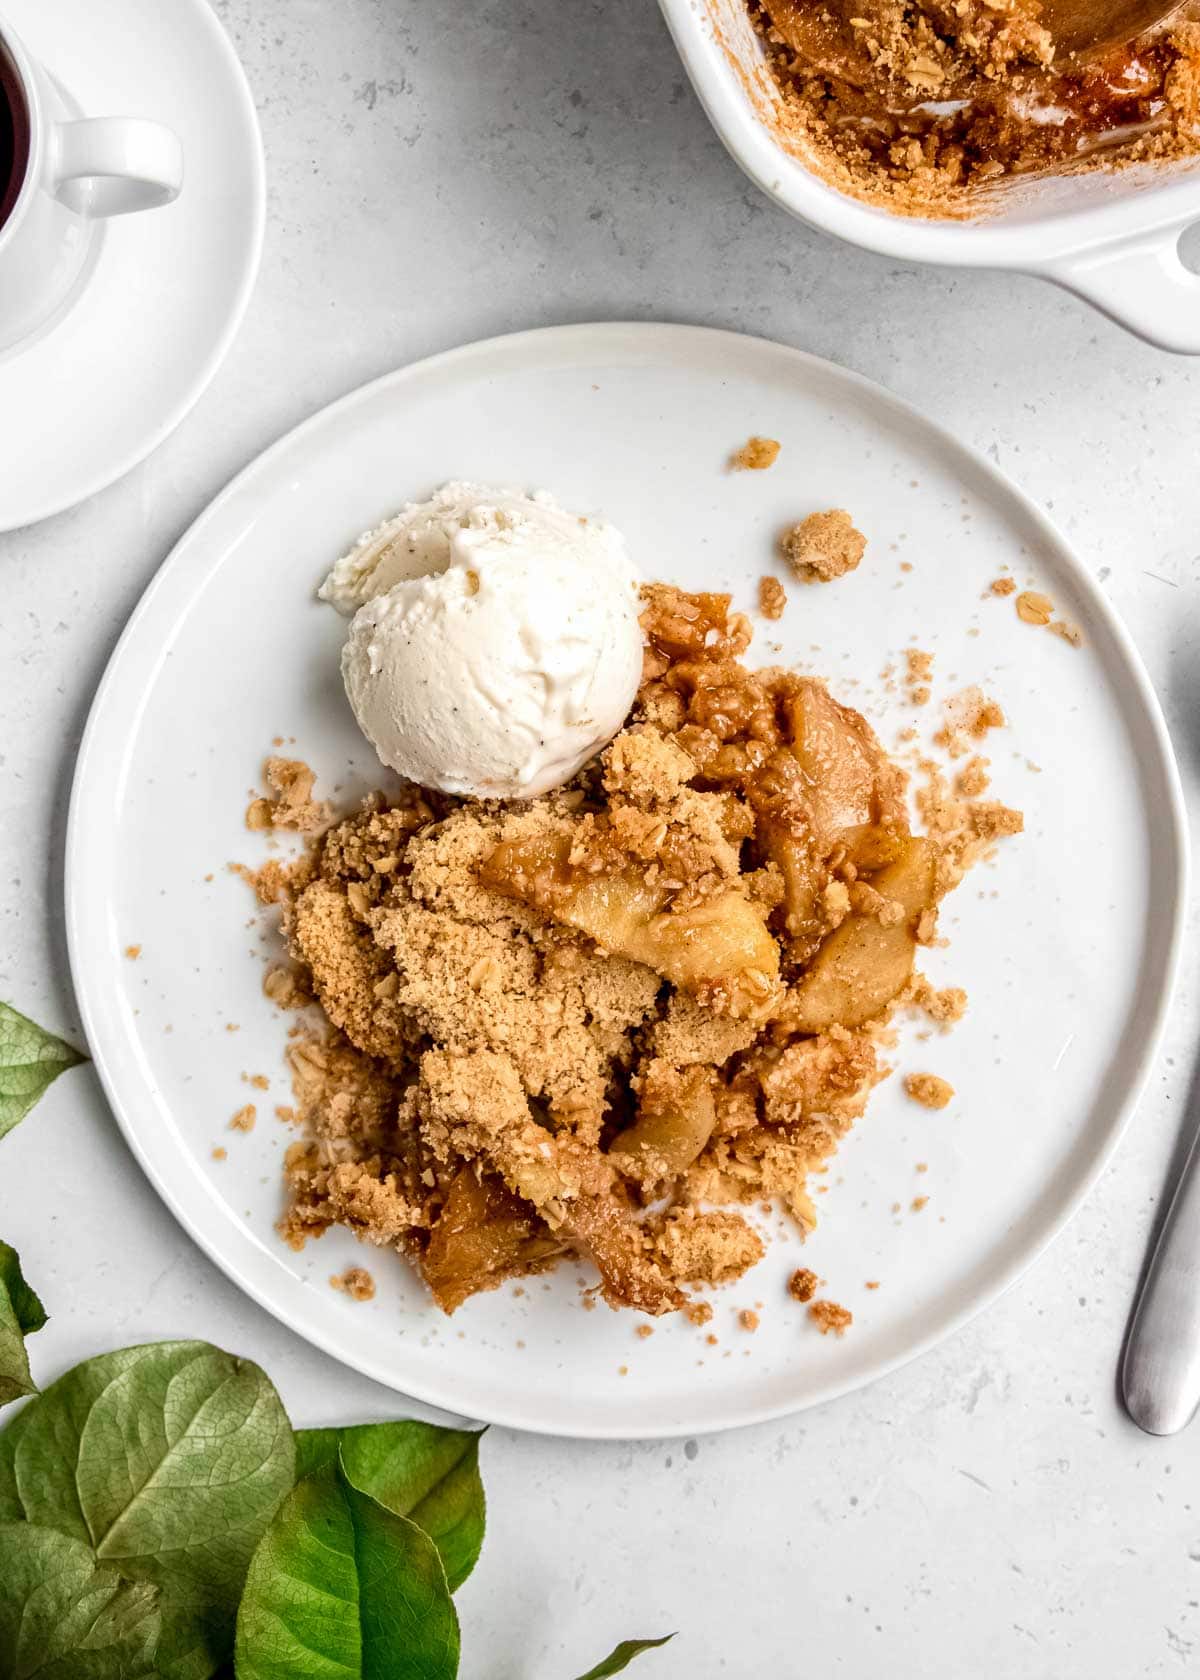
<point>802,1285</point>
<point>133,952</point>
<point>918,1202</point>
<point>644,1330</point>
<point>918,674</point>
<point>922,1166</point>
<point>711,1339</point>
<point>748,1319</point>
<point>928,1090</point>
<point>699,1312</point>
<point>828,1315</point>
<point>259,1081</point>
<point>243,1120</point>
<point>756,455</point>
<point>232,1026</point>
<point>219,1154</point>
<point>872,1283</point>
<point>356,1282</point>
<point>622,1370</point>
<point>772,597</point>
<point>973,779</point>
<point>293,806</point>
<point>286,1113</point>
<point>1034,608</point>
<point>1070,633</point>
<point>823,546</point>
<point>1003,586</point>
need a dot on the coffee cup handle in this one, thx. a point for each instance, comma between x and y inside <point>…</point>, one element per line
<point>109,166</point>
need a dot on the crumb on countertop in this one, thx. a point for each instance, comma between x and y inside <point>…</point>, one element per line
<point>828,1315</point>
<point>219,1154</point>
<point>1003,586</point>
<point>756,455</point>
<point>823,546</point>
<point>243,1120</point>
<point>928,1090</point>
<point>133,952</point>
<point>644,1330</point>
<point>748,1319</point>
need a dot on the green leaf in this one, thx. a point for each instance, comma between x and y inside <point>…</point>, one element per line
<point>624,1654</point>
<point>21,1313</point>
<point>30,1060</point>
<point>417,1470</point>
<point>169,1460</point>
<point>62,1618</point>
<point>342,1589</point>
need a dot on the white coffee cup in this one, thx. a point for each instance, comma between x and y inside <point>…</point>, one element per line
<point>69,172</point>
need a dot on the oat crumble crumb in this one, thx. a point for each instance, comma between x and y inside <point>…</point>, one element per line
<point>1004,586</point>
<point>748,1319</point>
<point>243,1120</point>
<point>1034,607</point>
<point>356,1282</point>
<point>756,455</point>
<point>928,1090</point>
<point>823,546</point>
<point>802,1285</point>
<point>133,952</point>
<point>772,597</point>
<point>828,1315</point>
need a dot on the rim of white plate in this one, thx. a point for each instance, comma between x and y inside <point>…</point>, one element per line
<point>1158,987</point>
<point>141,451</point>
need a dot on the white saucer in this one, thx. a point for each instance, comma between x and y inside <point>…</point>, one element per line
<point>92,397</point>
<point>1068,969</point>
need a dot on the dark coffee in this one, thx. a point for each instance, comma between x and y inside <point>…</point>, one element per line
<point>14,135</point>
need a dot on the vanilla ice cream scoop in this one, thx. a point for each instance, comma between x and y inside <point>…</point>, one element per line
<point>495,644</point>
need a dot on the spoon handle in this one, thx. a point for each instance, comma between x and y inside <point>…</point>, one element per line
<point>1160,1376</point>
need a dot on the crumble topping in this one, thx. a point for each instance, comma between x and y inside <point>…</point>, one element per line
<point>356,1282</point>
<point>935,108</point>
<point>772,597</point>
<point>823,546</point>
<point>601,1023</point>
<point>756,455</point>
<point>803,1284</point>
<point>928,1090</point>
<point>828,1315</point>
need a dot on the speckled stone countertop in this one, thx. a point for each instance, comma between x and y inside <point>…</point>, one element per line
<point>438,174</point>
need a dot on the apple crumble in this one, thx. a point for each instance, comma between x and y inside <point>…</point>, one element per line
<point>605,1022</point>
<point>919,106</point>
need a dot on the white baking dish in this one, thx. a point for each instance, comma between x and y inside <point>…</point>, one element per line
<point>1110,237</point>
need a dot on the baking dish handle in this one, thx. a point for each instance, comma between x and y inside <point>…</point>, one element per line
<point>1143,286</point>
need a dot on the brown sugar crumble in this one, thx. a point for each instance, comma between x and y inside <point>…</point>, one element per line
<point>756,455</point>
<point>291,804</point>
<point>871,1283</point>
<point>803,1284</point>
<point>748,1319</point>
<point>644,1330</point>
<point>928,1090</point>
<point>219,1154</point>
<point>823,546</point>
<point>1003,586</point>
<point>356,1282</point>
<point>918,675</point>
<point>828,1315</point>
<point>772,597</point>
<point>133,952</point>
<point>932,109</point>
<point>603,1024</point>
<point>243,1120</point>
<point>919,1202</point>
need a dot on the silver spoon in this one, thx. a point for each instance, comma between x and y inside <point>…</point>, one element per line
<point>1160,1374</point>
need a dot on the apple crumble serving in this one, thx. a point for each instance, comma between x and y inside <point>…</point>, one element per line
<point>603,1022</point>
<point>915,105</point>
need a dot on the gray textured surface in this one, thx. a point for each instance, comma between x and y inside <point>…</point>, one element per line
<point>442,173</point>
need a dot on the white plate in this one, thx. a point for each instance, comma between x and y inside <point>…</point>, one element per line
<point>105,386</point>
<point>1067,944</point>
